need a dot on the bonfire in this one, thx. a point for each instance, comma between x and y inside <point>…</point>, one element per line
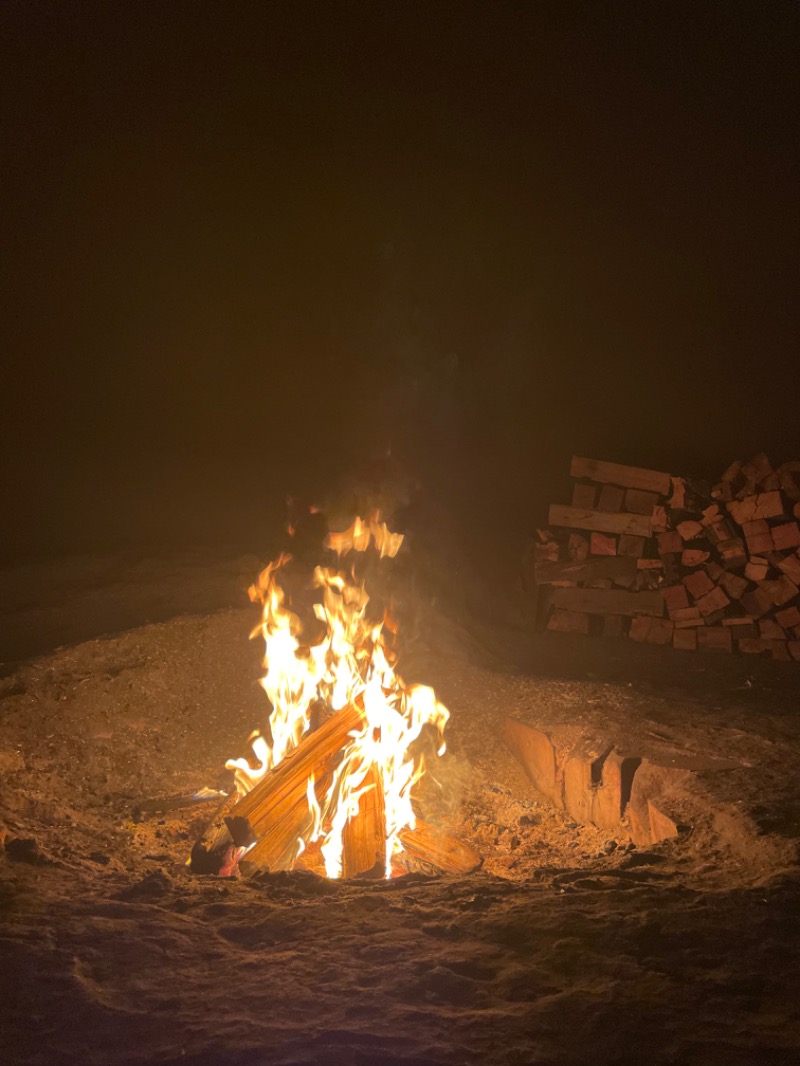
<point>329,782</point>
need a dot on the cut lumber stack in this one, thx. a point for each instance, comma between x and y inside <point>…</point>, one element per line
<point>669,560</point>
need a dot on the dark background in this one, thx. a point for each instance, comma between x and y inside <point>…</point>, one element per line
<point>248,247</point>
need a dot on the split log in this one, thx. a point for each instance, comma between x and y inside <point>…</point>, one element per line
<point>715,639</point>
<point>685,639</point>
<point>756,569</point>
<point>641,502</point>
<point>791,567</point>
<point>611,498</point>
<point>620,571</point>
<point>584,495</point>
<point>675,597</point>
<point>715,600</point>
<point>435,847</point>
<point>631,546</point>
<point>699,584</point>
<point>651,630</point>
<point>603,544</point>
<point>757,602</point>
<point>768,629</point>
<point>781,591</point>
<point>689,529</point>
<point>579,518</point>
<point>364,837</point>
<point>762,505</point>
<point>734,585</point>
<point>786,536</point>
<point>276,809</point>
<point>789,617</point>
<point>670,543</point>
<point>629,477</point>
<point>608,601</point>
<point>577,548</point>
<point>212,852</point>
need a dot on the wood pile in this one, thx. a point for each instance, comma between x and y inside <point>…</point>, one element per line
<point>668,560</point>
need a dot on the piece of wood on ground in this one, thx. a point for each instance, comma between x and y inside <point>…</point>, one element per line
<point>535,750</point>
<point>436,847</point>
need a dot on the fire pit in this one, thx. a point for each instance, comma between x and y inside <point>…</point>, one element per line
<point>329,783</point>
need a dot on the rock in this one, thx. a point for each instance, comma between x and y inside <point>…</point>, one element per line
<point>26,849</point>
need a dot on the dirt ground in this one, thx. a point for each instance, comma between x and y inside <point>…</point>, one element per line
<point>570,945</point>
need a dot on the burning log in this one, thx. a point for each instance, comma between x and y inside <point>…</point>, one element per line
<point>277,810</point>
<point>429,844</point>
<point>212,852</point>
<point>339,792</point>
<point>365,834</point>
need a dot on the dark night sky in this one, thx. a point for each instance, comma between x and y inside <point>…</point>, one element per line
<point>243,244</point>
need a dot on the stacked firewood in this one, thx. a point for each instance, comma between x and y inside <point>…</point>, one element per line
<point>668,560</point>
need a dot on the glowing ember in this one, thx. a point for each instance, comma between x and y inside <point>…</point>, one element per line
<point>350,664</point>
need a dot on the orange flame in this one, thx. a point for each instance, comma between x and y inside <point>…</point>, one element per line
<point>352,662</point>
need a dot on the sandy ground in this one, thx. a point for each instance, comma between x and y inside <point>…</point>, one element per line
<point>568,946</point>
